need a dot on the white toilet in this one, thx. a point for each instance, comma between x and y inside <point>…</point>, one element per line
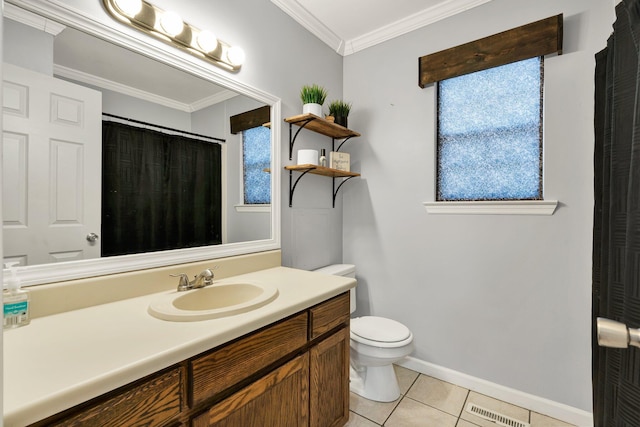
<point>376,343</point>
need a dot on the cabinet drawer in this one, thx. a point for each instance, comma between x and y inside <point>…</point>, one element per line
<point>228,365</point>
<point>151,403</point>
<point>329,314</point>
<point>281,398</point>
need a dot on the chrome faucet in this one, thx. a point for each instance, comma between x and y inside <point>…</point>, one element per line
<point>204,278</point>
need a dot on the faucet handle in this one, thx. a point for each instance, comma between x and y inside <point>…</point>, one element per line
<point>205,277</point>
<point>183,284</point>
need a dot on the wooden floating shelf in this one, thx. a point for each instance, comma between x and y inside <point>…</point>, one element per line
<point>321,170</point>
<point>322,126</point>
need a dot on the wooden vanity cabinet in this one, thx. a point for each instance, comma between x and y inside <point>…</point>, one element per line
<point>157,400</point>
<point>294,372</point>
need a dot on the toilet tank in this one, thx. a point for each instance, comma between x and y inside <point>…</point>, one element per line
<point>345,270</point>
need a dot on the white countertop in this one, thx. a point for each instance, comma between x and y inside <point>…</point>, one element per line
<point>59,361</point>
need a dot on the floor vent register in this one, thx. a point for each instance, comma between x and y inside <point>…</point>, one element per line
<point>494,416</point>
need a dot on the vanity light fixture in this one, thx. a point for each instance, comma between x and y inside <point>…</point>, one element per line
<point>169,27</point>
<point>171,23</point>
<point>129,7</point>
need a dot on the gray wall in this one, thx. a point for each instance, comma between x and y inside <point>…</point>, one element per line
<point>35,50</point>
<point>502,298</point>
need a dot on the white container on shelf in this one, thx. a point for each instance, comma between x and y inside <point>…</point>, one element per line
<point>307,157</point>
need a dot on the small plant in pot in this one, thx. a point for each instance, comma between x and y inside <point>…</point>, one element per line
<point>340,110</point>
<point>312,97</point>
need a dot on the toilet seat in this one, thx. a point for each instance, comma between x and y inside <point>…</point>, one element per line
<point>380,332</point>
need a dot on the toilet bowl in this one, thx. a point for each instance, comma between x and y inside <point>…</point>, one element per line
<point>376,344</point>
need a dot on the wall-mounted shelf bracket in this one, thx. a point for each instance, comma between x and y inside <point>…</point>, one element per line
<point>317,170</point>
<point>292,185</point>
<point>292,140</point>
<point>333,143</point>
<point>335,190</point>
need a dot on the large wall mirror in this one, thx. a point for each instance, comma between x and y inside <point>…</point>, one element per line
<point>93,79</point>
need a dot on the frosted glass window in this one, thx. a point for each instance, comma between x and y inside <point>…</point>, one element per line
<point>256,149</point>
<point>490,134</point>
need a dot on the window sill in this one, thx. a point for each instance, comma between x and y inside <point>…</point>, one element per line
<point>516,207</point>
<point>253,208</point>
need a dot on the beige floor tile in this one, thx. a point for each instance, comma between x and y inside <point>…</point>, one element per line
<point>490,403</point>
<point>410,413</point>
<point>377,412</point>
<point>539,420</point>
<point>463,423</point>
<point>356,420</point>
<point>439,394</point>
<point>406,377</point>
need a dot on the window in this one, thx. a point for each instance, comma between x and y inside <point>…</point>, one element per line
<point>490,134</point>
<point>256,160</point>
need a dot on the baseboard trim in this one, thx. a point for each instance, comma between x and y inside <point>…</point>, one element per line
<point>537,404</point>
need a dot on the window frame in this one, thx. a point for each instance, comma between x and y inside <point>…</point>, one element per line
<point>540,145</point>
<point>248,207</point>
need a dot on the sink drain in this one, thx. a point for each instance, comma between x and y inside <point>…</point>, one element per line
<point>494,416</point>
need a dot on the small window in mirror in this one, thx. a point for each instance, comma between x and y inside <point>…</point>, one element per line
<point>256,161</point>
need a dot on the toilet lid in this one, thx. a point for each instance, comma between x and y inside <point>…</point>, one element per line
<point>379,329</point>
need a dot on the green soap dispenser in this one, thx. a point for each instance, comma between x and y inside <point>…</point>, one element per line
<point>15,301</point>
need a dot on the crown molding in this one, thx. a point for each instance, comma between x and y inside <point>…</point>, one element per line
<point>96,81</point>
<point>83,77</point>
<point>410,23</point>
<point>310,23</point>
<point>421,19</point>
<point>212,100</point>
<point>31,19</point>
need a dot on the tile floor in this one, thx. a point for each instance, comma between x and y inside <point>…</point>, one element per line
<point>429,402</point>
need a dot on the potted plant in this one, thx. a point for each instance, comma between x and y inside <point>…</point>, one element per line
<point>340,110</point>
<point>312,97</point>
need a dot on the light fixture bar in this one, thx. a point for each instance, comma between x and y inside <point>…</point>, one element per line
<point>169,27</point>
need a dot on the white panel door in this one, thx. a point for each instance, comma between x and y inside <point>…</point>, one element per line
<point>51,168</point>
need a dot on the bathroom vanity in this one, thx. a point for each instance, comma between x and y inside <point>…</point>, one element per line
<point>286,363</point>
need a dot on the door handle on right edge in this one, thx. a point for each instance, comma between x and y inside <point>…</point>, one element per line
<point>616,334</point>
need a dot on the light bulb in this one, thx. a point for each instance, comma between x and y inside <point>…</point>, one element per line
<point>235,55</point>
<point>171,23</point>
<point>207,41</point>
<point>129,7</point>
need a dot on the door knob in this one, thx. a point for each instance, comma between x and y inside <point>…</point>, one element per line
<point>92,237</point>
<point>616,334</point>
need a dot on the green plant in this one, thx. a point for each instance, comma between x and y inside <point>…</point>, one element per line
<point>313,94</point>
<point>339,108</point>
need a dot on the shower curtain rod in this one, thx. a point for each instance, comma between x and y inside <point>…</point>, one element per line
<point>165,128</point>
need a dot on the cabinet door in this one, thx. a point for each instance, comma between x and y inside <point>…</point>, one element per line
<point>329,368</point>
<point>154,402</point>
<point>216,371</point>
<point>279,399</point>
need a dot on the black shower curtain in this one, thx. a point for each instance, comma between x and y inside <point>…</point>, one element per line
<point>616,236</point>
<point>159,191</point>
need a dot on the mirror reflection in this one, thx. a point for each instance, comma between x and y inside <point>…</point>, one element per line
<point>108,152</point>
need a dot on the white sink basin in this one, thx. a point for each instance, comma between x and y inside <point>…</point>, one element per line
<point>217,300</point>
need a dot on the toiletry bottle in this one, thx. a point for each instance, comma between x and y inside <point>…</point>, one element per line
<point>323,157</point>
<point>15,302</point>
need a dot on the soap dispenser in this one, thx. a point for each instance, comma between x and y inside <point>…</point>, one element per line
<point>15,301</point>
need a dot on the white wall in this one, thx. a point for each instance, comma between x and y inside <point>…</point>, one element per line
<point>503,298</point>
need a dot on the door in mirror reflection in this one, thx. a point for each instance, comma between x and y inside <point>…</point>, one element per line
<point>51,168</point>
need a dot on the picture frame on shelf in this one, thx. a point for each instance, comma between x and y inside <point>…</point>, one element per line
<point>340,161</point>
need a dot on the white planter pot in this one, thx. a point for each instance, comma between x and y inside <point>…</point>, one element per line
<point>315,109</point>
